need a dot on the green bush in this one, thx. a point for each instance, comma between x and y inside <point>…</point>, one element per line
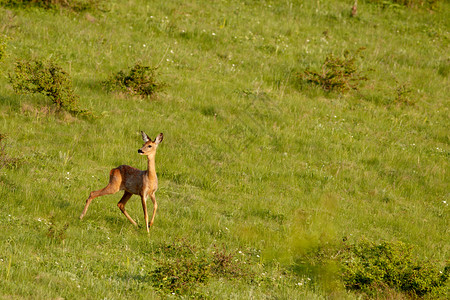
<point>369,267</point>
<point>337,74</point>
<point>48,79</point>
<point>185,268</point>
<point>181,275</point>
<point>140,80</point>
<point>75,5</point>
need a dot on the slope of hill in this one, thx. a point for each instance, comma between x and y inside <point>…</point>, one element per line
<point>262,175</point>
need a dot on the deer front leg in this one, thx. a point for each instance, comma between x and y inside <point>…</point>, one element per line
<point>144,207</point>
<point>155,207</point>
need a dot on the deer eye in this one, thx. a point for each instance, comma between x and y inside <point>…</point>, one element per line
<point>149,146</point>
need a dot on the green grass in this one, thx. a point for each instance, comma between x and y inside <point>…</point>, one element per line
<point>249,162</point>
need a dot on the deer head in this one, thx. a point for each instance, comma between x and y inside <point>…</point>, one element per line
<point>149,147</point>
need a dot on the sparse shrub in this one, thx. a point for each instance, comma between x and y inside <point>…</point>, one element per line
<point>373,269</point>
<point>182,270</point>
<point>57,232</point>
<point>48,79</point>
<point>185,268</point>
<point>225,264</point>
<point>337,74</point>
<point>403,94</point>
<point>369,267</point>
<point>181,275</point>
<point>75,5</point>
<point>140,80</point>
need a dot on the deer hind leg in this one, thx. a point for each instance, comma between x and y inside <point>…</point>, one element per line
<point>113,187</point>
<point>126,196</point>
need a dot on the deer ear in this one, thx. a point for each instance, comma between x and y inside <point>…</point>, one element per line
<point>159,138</point>
<point>145,137</point>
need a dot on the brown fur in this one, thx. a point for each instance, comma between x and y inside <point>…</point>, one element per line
<point>134,182</point>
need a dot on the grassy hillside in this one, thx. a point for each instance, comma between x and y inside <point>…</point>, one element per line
<point>261,175</point>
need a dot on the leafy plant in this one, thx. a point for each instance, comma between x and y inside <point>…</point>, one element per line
<point>181,275</point>
<point>185,268</point>
<point>369,267</point>
<point>75,5</point>
<point>57,231</point>
<point>48,79</point>
<point>139,80</point>
<point>182,271</point>
<point>339,74</point>
<point>403,94</point>
<point>225,264</point>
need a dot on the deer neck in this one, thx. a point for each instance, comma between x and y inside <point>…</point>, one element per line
<point>151,171</point>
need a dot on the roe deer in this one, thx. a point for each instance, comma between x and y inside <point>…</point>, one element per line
<point>133,182</point>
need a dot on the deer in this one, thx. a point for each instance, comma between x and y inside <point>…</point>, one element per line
<point>134,182</point>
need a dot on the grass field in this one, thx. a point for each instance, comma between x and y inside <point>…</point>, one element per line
<point>254,166</point>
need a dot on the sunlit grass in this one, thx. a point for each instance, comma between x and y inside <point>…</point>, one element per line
<point>248,160</point>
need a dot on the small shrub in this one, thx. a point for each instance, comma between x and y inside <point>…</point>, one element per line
<point>57,232</point>
<point>184,268</point>
<point>337,74</point>
<point>370,267</point>
<point>75,5</point>
<point>48,79</point>
<point>181,275</point>
<point>225,264</point>
<point>140,80</point>
<point>403,94</point>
